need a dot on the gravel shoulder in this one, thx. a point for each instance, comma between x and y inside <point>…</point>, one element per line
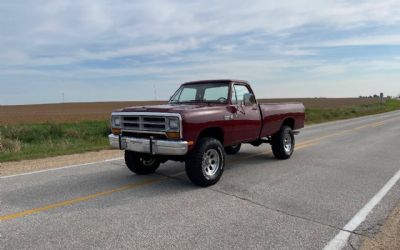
<point>10,168</point>
<point>389,235</point>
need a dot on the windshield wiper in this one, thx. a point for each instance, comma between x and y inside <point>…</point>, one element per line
<point>198,101</point>
<point>192,101</point>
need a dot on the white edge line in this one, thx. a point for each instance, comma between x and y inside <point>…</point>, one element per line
<point>60,168</point>
<point>342,237</point>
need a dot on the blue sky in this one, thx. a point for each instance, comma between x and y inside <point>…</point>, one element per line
<point>122,50</point>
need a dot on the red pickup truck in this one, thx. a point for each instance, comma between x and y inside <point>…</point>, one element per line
<point>204,121</point>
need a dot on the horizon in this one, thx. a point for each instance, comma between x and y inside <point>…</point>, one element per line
<point>97,51</point>
<point>125,101</point>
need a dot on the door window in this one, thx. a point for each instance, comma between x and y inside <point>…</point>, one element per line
<point>216,94</point>
<point>240,90</point>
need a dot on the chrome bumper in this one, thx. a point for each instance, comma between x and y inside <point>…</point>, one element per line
<point>157,147</point>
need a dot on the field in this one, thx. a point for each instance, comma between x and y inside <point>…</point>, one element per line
<point>36,131</point>
<point>73,112</point>
<point>61,113</point>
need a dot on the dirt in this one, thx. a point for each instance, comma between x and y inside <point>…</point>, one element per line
<point>72,112</point>
<point>389,235</point>
<point>11,168</point>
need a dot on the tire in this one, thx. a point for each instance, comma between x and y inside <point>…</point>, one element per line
<point>283,143</point>
<point>232,150</point>
<point>141,164</point>
<point>206,163</point>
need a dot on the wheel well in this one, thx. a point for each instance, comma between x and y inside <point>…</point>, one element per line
<point>214,132</point>
<point>288,122</point>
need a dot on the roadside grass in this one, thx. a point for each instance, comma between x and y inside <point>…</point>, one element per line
<point>314,116</point>
<point>30,141</point>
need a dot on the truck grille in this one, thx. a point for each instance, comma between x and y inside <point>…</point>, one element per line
<point>144,123</point>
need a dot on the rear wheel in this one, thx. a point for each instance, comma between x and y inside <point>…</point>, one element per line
<point>232,150</point>
<point>283,143</point>
<point>205,164</point>
<point>141,164</point>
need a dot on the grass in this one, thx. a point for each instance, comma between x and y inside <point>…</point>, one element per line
<point>30,141</point>
<point>314,116</point>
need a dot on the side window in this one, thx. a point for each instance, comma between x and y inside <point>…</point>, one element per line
<point>188,94</point>
<point>216,93</point>
<point>241,90</point>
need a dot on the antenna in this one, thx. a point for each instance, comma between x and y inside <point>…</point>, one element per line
<point>155,92</point>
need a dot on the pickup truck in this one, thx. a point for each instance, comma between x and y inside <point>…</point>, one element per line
<point>203,121</point>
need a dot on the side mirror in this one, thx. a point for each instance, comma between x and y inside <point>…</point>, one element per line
<point>249,99</point>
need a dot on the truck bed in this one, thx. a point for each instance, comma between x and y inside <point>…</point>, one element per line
<point>275,114</point>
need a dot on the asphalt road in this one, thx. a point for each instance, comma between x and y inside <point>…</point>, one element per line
<point>260,202</point>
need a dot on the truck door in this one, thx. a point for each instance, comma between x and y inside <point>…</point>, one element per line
<point>247,118</point>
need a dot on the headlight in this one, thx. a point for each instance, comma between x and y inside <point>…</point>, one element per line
<point>116,121</point>
<point>173,124</point>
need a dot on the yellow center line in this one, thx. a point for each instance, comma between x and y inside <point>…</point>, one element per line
<point>299,146</point>
<point>80,199</point>
<point>371,125</point>
<point>368,125</point>
<point>378,124</point>
<point>304,146</point>
<point>316,140</point>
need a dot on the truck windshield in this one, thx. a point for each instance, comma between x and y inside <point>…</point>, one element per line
<point>201,93</point>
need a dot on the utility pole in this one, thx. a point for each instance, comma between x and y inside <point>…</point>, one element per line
<point>63,97</point>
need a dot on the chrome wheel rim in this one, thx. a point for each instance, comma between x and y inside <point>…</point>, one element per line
<point>211,163</point>
<point>287,143</point>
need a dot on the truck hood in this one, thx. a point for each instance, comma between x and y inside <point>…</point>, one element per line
<point>166,108</point>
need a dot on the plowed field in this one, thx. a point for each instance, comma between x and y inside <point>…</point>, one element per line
<point>71,112</point>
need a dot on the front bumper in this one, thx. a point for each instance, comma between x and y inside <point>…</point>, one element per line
<point>155,147</point>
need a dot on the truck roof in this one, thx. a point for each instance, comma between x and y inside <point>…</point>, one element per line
<point>216,80</point>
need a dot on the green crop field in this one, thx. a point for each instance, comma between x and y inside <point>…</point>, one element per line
<point>43,138</point>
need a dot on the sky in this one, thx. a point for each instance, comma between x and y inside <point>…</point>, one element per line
<point>143,50</point>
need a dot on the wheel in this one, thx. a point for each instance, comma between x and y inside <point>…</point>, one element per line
<point>232,150</point>
<point>283,143</point>
<point>141,164</point>
<point>205,164</point>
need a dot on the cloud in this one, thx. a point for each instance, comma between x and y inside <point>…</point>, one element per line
<point>363,41</point>
<point>267,42</point>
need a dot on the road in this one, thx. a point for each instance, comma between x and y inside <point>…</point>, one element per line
<point>335,173</point>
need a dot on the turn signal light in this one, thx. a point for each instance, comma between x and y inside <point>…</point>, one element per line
<point>173,135</point>
<point>116,131</point>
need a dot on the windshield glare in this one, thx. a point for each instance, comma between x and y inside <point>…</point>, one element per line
<point>208,92</point>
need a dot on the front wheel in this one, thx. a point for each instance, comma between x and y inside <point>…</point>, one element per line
<point>283,143</point>
<point>141,164</point>
<point>205,164</point>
